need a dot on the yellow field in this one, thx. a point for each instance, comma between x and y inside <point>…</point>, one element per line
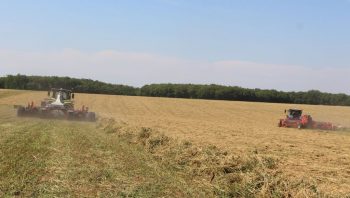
<point>238,127</point>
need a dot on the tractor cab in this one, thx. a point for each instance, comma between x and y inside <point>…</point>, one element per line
<point>64,94</point>
<point>294,113</point>
<point>59,98</point>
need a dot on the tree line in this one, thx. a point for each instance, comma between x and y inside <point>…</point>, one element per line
<point>78,85</point>
<point>219,92</point>
<point>213,92</point>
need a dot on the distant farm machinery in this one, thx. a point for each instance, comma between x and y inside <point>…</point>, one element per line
<point>58,105</point>
<point>296,119</point>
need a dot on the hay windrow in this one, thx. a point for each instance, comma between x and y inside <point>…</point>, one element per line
<point>229,175</point>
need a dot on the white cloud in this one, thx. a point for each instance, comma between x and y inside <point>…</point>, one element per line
<point>141,68</point>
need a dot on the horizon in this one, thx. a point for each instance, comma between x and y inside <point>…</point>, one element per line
<point>286,46</point>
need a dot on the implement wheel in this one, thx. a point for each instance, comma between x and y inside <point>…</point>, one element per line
<point>300,126</point>
<point>91,117</point>
<point>70,115</point>
<point>21,111</point>
<point>279,124</point>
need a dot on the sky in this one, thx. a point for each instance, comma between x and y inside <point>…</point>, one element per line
<point>290,45</point>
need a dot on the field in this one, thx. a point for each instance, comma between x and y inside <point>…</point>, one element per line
<point>238,128</point>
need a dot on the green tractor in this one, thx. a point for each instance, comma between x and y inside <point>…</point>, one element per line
<point>58,105</point>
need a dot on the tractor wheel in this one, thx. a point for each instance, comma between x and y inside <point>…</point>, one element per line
<point>21,111</point>
<point>91,117</point>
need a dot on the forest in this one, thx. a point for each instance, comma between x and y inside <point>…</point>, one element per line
<point>78,85</point>
<point>194,91</point>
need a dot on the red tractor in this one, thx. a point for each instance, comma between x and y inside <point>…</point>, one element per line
<point>296,119</point>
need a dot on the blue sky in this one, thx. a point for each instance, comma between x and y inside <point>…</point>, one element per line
<point>280,44</point>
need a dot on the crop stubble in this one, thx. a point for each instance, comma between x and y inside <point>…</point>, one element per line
<point>237,127</point>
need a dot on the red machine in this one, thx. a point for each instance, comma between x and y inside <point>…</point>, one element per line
<point>295,119</point>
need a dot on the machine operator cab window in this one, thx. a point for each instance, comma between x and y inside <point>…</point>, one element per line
<point>294,113</point>
<point>54,93</point>
<point>65,95</point>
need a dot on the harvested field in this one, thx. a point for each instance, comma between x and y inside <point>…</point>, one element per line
<point>237,127</point>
